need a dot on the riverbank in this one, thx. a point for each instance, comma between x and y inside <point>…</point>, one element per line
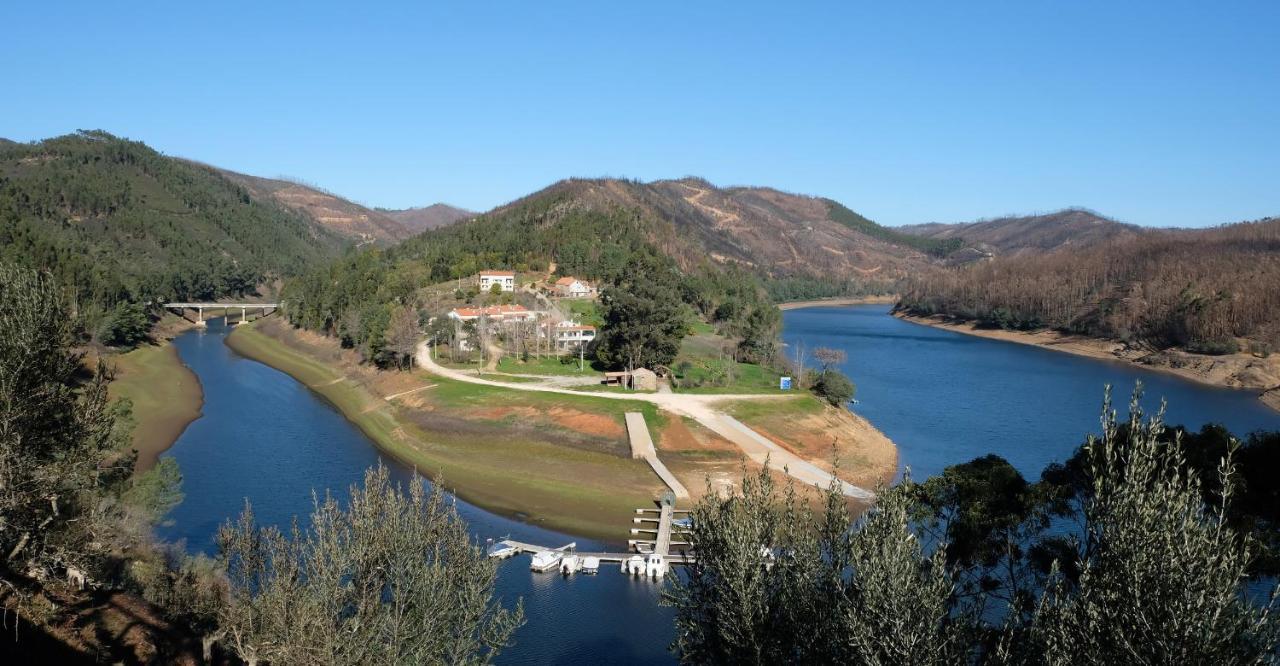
<point>166,397</point>
<point>835,302</point>
<point>560,461</point>
<point>1236,371</point>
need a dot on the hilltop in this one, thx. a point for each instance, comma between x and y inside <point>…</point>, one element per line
<point>1027,234</point>
<point>116,220</point>
<point>428,217</point>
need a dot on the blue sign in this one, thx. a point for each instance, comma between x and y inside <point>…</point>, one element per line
<point>784,383</point>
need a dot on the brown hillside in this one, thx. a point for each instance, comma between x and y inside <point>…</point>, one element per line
<point>1030,234</point>
<point>331,211</point>
<point>428,217</point>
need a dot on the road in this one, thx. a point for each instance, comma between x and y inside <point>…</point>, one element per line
<point>699,407</point>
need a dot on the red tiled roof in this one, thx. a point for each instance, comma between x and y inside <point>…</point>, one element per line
<point>492,310</point>
<point>498,273</point>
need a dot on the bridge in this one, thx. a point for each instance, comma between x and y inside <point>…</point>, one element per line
<point>265,308</point>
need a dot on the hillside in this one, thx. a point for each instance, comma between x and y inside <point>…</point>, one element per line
<point>116,220</point>
<point>1027,234</point>
<point>339,215</point>
<point>417,220</point>
<point>774,234</point>
<point>1213,290</point>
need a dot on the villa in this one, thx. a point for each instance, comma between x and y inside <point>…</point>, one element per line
<point>506,280</point>
<point>571,336</point>
<point>574,287</point>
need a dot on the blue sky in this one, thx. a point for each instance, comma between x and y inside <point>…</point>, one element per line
<point>1160,113</point>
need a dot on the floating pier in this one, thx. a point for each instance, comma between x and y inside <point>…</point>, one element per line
<point>654,554</point>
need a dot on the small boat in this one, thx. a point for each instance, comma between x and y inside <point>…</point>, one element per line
<point>570,564</point>
<point>590,564</point>
<point>633,565</point>
<point>500,550</point>
<point>683,523</point>
<point>545,560</point>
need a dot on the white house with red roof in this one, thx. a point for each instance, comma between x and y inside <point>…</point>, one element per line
<point>504,279</point>
<point>494,313</point>
<point>574,287</point>
<point>570,335</point>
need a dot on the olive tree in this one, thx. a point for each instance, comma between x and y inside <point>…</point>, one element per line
<point>1160,570</point>
<point>392,578</point>
<point>58,443</point>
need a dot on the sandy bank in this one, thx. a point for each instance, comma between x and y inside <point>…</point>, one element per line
<point>834,302</point>
<point>166,397</point>
<point>1238,371</point>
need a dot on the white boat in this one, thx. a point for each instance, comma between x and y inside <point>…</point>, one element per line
<point>590,564</point>
<point>545,560</point>
<point>570,564</point>
<point>500,550</point>
<point>633,565</point>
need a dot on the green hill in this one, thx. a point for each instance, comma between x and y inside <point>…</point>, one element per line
<point>115,220</point>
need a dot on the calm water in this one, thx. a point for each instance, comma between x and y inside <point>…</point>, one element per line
<point>945,398</point>
<point>942,397</point>
<point>266,437</point>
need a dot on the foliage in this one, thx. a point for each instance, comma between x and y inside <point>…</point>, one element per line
<point>775,582</point>
<point>643,321</point>
<point>939,247</point>
<point>394,578</point>
<point>157,491</point>
<point>113,220</point>
<point>1124,555</point>
<point>833,386</point>
<point>58,440</point>
<point>125,326</point>
<point>1197,289</point>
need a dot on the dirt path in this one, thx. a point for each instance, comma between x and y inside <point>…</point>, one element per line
<point>699,407</point>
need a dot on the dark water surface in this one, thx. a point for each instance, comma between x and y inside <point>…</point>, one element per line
<point>942,397</point>
<point>945,397</point>
<point>265,437</point>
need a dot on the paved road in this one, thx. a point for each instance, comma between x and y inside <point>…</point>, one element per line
<point>699,407</point>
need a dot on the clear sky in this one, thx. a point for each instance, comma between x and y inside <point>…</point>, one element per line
<point>1157,113</point>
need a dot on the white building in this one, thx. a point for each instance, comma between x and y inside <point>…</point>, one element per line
<point>495,313</point>
<point>505,279</point>
<point>570,336</point>
<point>574,287</point>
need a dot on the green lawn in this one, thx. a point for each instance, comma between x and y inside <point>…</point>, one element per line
<point>555,365</point>
<point>584,310</point>
<point>703,367</point>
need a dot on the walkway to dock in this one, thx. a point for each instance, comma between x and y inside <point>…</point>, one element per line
<point>642,448</point>
<point>703,408</point>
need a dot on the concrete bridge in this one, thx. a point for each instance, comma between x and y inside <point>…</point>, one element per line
<point>264,308</point>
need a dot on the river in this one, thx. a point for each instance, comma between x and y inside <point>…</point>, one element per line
<point>942,397</point>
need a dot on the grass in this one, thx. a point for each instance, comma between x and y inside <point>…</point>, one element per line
<point>545,366</point>
<point>702,367</point>
<point>166,396</point>
<point>583,310</point>
<point>500,468</point>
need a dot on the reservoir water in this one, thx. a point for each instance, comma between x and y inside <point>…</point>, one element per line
<point>941,396</point>
<point>945,397</point>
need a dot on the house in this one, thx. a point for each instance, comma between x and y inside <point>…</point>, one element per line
<point>495,313</point>
<point>506,280</point>
<point>571,336</point>
<point>574,287</point>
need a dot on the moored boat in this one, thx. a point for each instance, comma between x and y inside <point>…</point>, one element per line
<point>590,564</point>
<point>545,560</point>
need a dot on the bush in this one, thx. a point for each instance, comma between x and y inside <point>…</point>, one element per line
<point>834,387</point>
<point>125,326</point>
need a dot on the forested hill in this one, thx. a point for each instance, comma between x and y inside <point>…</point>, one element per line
<point>341,216</point>
<point>117,221</point>
<point>1211,290</point>
<point>1027,234</point>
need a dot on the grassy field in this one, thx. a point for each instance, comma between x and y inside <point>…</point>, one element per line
<point>703,366</point>
<point>488,444</point>
<point>166,396</point>
<point>583,310</point>
<point>555,365</point>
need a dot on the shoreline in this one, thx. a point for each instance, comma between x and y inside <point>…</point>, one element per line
<point>559,486</point>
<point>835,302</point>
<point>167,397</point>
<point>1240,372</point>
